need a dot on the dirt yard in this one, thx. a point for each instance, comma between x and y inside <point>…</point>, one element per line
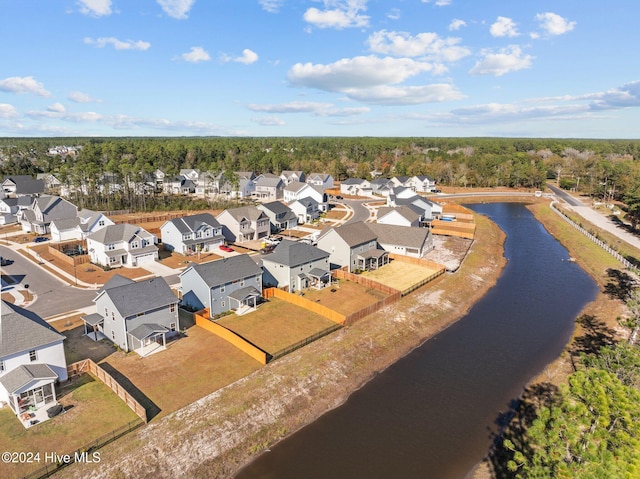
<point>400,275</point>
<point>346,297</point>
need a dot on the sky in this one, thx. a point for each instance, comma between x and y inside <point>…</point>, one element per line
<point>427,68</point>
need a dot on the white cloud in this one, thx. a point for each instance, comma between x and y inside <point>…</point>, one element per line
<point>456,24</point>
<point>316,108</point>
<point>506,60</point>
<point>271,6</point>
<point>626,96</point>
<point>178,9</point>
<point>357,72</point>
<point>269,121</point>
<point>248,57</point>
<point>23,85</point>
<point>118,44</point>
<point>56,108</point>
<point>95,8</point>
<point>438,3</point>
<point>394,14</point>
<point>80,97</point>
<point>406,95</point>
<point>504,27</point>
<point>554,24</point>
<point>74,117</point>
<point>345,14</point>
<point>428,45</point>
<point>196,55</point>
<point>8,111</point>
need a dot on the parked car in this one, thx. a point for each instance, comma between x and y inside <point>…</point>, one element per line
<point>41,239</point>
<point>267,249</point>
<point>224,247</point>
<point>5,261</point>
<point>338,197</point>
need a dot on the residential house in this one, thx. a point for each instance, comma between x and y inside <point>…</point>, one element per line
<point>155,180</point>
<point>190,174</point>
<point>296,191</point>
<point>356,187</point>
<point>422,184</point>
<point>322,180</point>
<point>404,215</point>
<point>402,181</point>
<point>381,186</point>
<point>268,187</point>
<point>22,185</point>
<point>9,210</point>
<point>32,360</point>
<point>305,209</point>
<point>243,187</point>
<point>281,217</point>
<point>51,183</point>
<point>43,210</point>
<point>244,223</point>
<point>207,183</point>
<point>179,185</point>
<point>191,234</point>
<point>290,176</point>
<point>429,209</point>
<point>296,266</point>
<point>122,245</point>
<point>135,316</point>
<point>78,228</point>
<point>352,245</point>
<point>232,283</point>
<point>404,240</point>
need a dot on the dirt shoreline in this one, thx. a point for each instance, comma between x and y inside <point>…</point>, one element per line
<point>220,433</point>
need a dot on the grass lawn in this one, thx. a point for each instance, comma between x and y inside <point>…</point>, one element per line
<point>93,411</point>
<point>400,275</point>
<point>276,325</point>
<point>346,298</point>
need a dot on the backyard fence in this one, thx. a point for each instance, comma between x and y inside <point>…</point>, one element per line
<point>89,366</point>
<point>372,308</point>
<point>85,453</point>
<point>57,251</point>
<point>304,342</point>
<point>309,305</point>
<point>364,281</point>
<point>439,269</point>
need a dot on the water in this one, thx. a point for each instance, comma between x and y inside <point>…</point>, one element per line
<point>433,414</point>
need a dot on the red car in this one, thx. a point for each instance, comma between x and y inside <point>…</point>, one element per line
<point>224,247</point>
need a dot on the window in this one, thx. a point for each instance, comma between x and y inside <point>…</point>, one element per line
<point>134,244</point>
<point>222,304</point>
<point>222,288</point>
<point>101,223</point>
<point>242,283</point>
<point>33,356</point>
<point>111,247</point>
<point>1,365</point>
<point>113,259</point>
<point>113,316</point>
<point>172,308</point>
<point>172,327</point>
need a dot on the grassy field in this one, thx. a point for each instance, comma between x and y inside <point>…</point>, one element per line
<point>400,275</point>
<point>93,411</point>
<point>346,298</point>
<point>276,325</point>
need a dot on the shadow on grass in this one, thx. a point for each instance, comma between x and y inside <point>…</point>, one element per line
<point>596,335</point>
<point>152,408</point>
<point>620,284</point>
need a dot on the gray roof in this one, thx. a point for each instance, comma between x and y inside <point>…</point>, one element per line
<point>21,376</point>
<point>406,211</point>
<point>22,330</point>
<point>147,329</point>
<point>409,236</point>
<point>353,181</point>
<point>93,319</point>
<point>243,293</point>
<point>295,186</point>
<point>355,234</point>
<point>25,184</point>
<point>115,233</point>
<point>188,224</point>
<point>116,280</point>
<point>276,207</point>
<point>321,176</point>
<point>269,181</point>
<point>293,253</point>
<point>66,224</point>
<point>226,270</point>
<point>133,298</point>
<point>249,212</point>
<point>307,201</point>
<point>318,273</point>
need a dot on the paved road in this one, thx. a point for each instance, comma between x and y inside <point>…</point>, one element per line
<point>360,212</point>
<point>565,196</point>
<point>53,296</point>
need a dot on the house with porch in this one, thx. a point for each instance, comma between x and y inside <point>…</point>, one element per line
<point>244,223</point>
<point>404,181</point>
<point>322,180</point>
<point>290,176</point>
<point>43,210</point>
<point>381,186</point>
<point>191,234</point>
<point>356,187</point>
<point>232,283</point>
<point>305,209</point>
<point>52,184</point>
<point>268,187</point>
<point>243,187</point>
<point>122,245</point>
<point>32,361</point>
<point>135,316</point>
<point>296,266</point>
<point>78,228</point>
<point>404,240</point>
<point>353,245</point>
<point>9,208</point>
<point>281,217</point>
<point>22,185</point>
<point>422,184</point>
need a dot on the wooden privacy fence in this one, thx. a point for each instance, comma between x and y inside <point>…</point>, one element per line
<point>372,308</point>
<point>439,269</point>
<point>323,311</point>
<point>89,366</point>
<point>202,320</point>
<point>367,282</point>
<point>56,251</point>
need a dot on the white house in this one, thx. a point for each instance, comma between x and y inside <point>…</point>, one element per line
<point>422,184</point>
<point>122,245</point>
<point>306,210</point>
<point>191,234</point>
<point>404,240</point>
<point>32,360</point>
<point>43,210</point>
<point>295,266</point>
<point>290,176</point>
<point>268,187</point>
<point>323,180</point>
<point>405,215</point>
<point>280,215</point>
<point>356,187</point>
<point>84,224</point>
<point>244,223</point>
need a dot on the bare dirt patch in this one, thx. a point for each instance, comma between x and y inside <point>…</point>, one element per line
<point>400,275</point>
<point>345,298</point>
<point>449,251</point>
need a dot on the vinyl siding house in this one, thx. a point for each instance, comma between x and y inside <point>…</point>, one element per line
<point>353,246</point>
<point>32,360</point>
<point>244,223</point>
<point>190,234</point>
<point>8,210</point>
<point>322,180</point>
<point>405,215</point>
<point>404,181</point>
<point>381,186</point>
<point>22,185</point>
<point>243,189</point>
<point>404,240</point>
<point>122,245</point>
<point>135,316</point>
<point>268,187</point>
<point>422,184</point>
<point>281,217</point>
<point>233,283</point>
<point>296,266</point>
<point>356,187</point>
<point>43,210</point>
<point>78,228</point>
<point>305,209</point>
<point>290,176</point>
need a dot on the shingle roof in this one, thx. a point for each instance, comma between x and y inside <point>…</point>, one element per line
<point>406,211</point>
<point>25,184</point>
<point>276,207</point>
<point>115,233</point>
<point>16,379</point>
<point>66,224</point>
<point>191,223</point>
<point>147,329</point>
<point>295,186</point>
<point>353,181</point>
<point>355,234</point>
<point>249,212</point>
<point>409,236</point>
<point>133,298</point>
<point>269,181</point>
<point>22,330</point>
<point>116,280</point>
<point>293,253</point>
<point>226,270</point>
<point>307,201</point>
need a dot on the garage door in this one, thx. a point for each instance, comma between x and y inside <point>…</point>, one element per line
<point>145,258</point>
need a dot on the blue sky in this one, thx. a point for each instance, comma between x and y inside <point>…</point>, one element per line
<point>320,68</point>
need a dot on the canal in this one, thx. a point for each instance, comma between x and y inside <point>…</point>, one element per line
<point>434,413</point>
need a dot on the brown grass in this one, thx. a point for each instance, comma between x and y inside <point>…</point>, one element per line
<point>400,275</point>
<point>345,298</point>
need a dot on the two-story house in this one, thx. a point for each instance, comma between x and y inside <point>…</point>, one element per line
<point>296,266</point>
<point>356,187</point>
<point>268,187</point>
<point>22,185</point>
<point>84,224</point>
<point>401,180</point>
<point>135,316</point>
<point>429,209</point>
<point>381,186</point>
<point>232,283</point>
<point>306,209</point>
<point>352,245</point>
<point>244,223</point>
<point>322,180</point>
<point>290,176</point>
<point>241,187</point>
<point>43,210</point>
<point>281,217</point>
<point>404,240</point>
<point>192,234</point>
<point>422,184</point>
<point>122,245</point>
<point>32,360</point>
<point>404,215</point>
